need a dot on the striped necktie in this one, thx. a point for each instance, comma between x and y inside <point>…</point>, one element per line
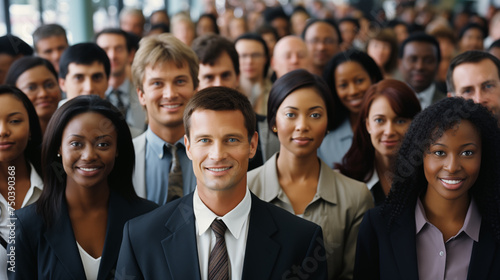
<point>218,262</point>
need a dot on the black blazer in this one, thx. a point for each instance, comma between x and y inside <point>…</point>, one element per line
<point>52,253</point>
<point>392,254</point>
<point>162,244</point>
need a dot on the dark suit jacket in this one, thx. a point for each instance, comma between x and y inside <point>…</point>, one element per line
<point>162,244</point>
<point>438,95</point>
<point>392,254</point>
<point>52,253</point>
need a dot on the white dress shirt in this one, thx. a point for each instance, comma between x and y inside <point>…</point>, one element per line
<point>34,192</point>
<point>236,234</point>
<point>90,264</point>
<point>425,96</point>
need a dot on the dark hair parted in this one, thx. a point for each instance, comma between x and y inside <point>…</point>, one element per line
<point>468,57</point>
<point>32,150</point>
<point>220,99</point>
<point>351,55</point>
<point>471,25</point>
<point>358,162</point>
<point>258,38</point>
<point>24,64</point>
<point>85,54</point>
<point>210,47</point>
<point>13,46</point>
<point>120,178</point>
<point>421,37</point>
<point>291,82</point>
<point>427,127</point>
<point>327,21</point>
<point>212,18</point>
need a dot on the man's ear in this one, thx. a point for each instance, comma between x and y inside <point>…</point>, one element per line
<point>188,146</point>
<point>141,96</point>
<point>254,141</point>
<point>62,84</point>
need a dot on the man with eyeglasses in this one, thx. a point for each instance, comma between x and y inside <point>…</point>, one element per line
<point>254,62</point>
<point>323,40</point>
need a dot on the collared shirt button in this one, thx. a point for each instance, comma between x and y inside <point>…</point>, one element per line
<point>441,253</point>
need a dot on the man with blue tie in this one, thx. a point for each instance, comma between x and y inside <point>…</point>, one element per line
<point>165,74</point>
<point>221,231</point>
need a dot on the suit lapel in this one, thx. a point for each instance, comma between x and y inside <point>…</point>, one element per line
<point>61,239</point>
<point>483,253</point>
<point>403,240</point>
<point>261,250</point>
<point>179,247</point>
<point>139,178</point>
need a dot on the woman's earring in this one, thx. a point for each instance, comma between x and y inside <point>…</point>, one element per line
<point>58,155</point>
<point>275,129</point>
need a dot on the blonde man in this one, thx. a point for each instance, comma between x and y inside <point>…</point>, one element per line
<point>165,74</point>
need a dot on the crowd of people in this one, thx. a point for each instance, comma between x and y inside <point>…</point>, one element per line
<point>284,142</point>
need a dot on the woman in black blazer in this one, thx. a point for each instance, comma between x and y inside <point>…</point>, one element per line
<point>446,181</point>
<point>75,229</point>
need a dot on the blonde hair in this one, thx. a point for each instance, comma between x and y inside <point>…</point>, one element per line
<point>154,50</point>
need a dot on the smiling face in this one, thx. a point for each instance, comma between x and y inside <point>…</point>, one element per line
<point>301,122</point>
<point>166,91</point>
<point>351,83</point>
<point>219,149</point>
<point>52,48</point>
<point>41,87</point>
<point>88,150</point>
<point>419,64</point>
<point>386,129</point>
<point>14,128</point>
<point>452,164</point>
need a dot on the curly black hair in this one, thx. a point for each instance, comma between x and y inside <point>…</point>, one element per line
<point>427,127</point>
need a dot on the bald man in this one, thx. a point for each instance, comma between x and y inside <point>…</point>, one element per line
<point>290,53</point>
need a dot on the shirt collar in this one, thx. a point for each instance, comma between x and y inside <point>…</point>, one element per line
<point>234,220</point>
<point>425,96</point>
<point>35,179</point>
<point>124,87</point>
<point>373,180</point>
<point>155,143</point>
<point>345,130</point>
<point>471,226</point>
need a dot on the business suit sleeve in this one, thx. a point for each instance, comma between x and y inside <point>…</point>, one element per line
<point>367,262</point>
<point>365,202</point>
<point>127,266</point>
<point>25,255</point>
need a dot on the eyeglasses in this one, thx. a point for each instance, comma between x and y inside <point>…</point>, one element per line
<point>251,55</point>
<point>326,41</point>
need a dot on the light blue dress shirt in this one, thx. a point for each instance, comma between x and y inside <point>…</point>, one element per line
<point>158,165</point>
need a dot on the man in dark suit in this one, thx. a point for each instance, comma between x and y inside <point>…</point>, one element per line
<point>419,58</point>
<point>182,239</point>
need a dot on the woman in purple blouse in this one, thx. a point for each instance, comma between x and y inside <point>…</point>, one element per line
<point>441,219</point>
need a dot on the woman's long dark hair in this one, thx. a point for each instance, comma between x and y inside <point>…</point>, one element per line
<point>409,180</point>
<point>32,151</point>
<point>120,178</point>
<point>340,111</point>
<point>358,162</point>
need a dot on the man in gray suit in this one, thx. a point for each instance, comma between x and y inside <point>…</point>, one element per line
<point>165,73</point>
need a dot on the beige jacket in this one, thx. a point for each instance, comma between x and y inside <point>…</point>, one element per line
<point>338,207</point>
